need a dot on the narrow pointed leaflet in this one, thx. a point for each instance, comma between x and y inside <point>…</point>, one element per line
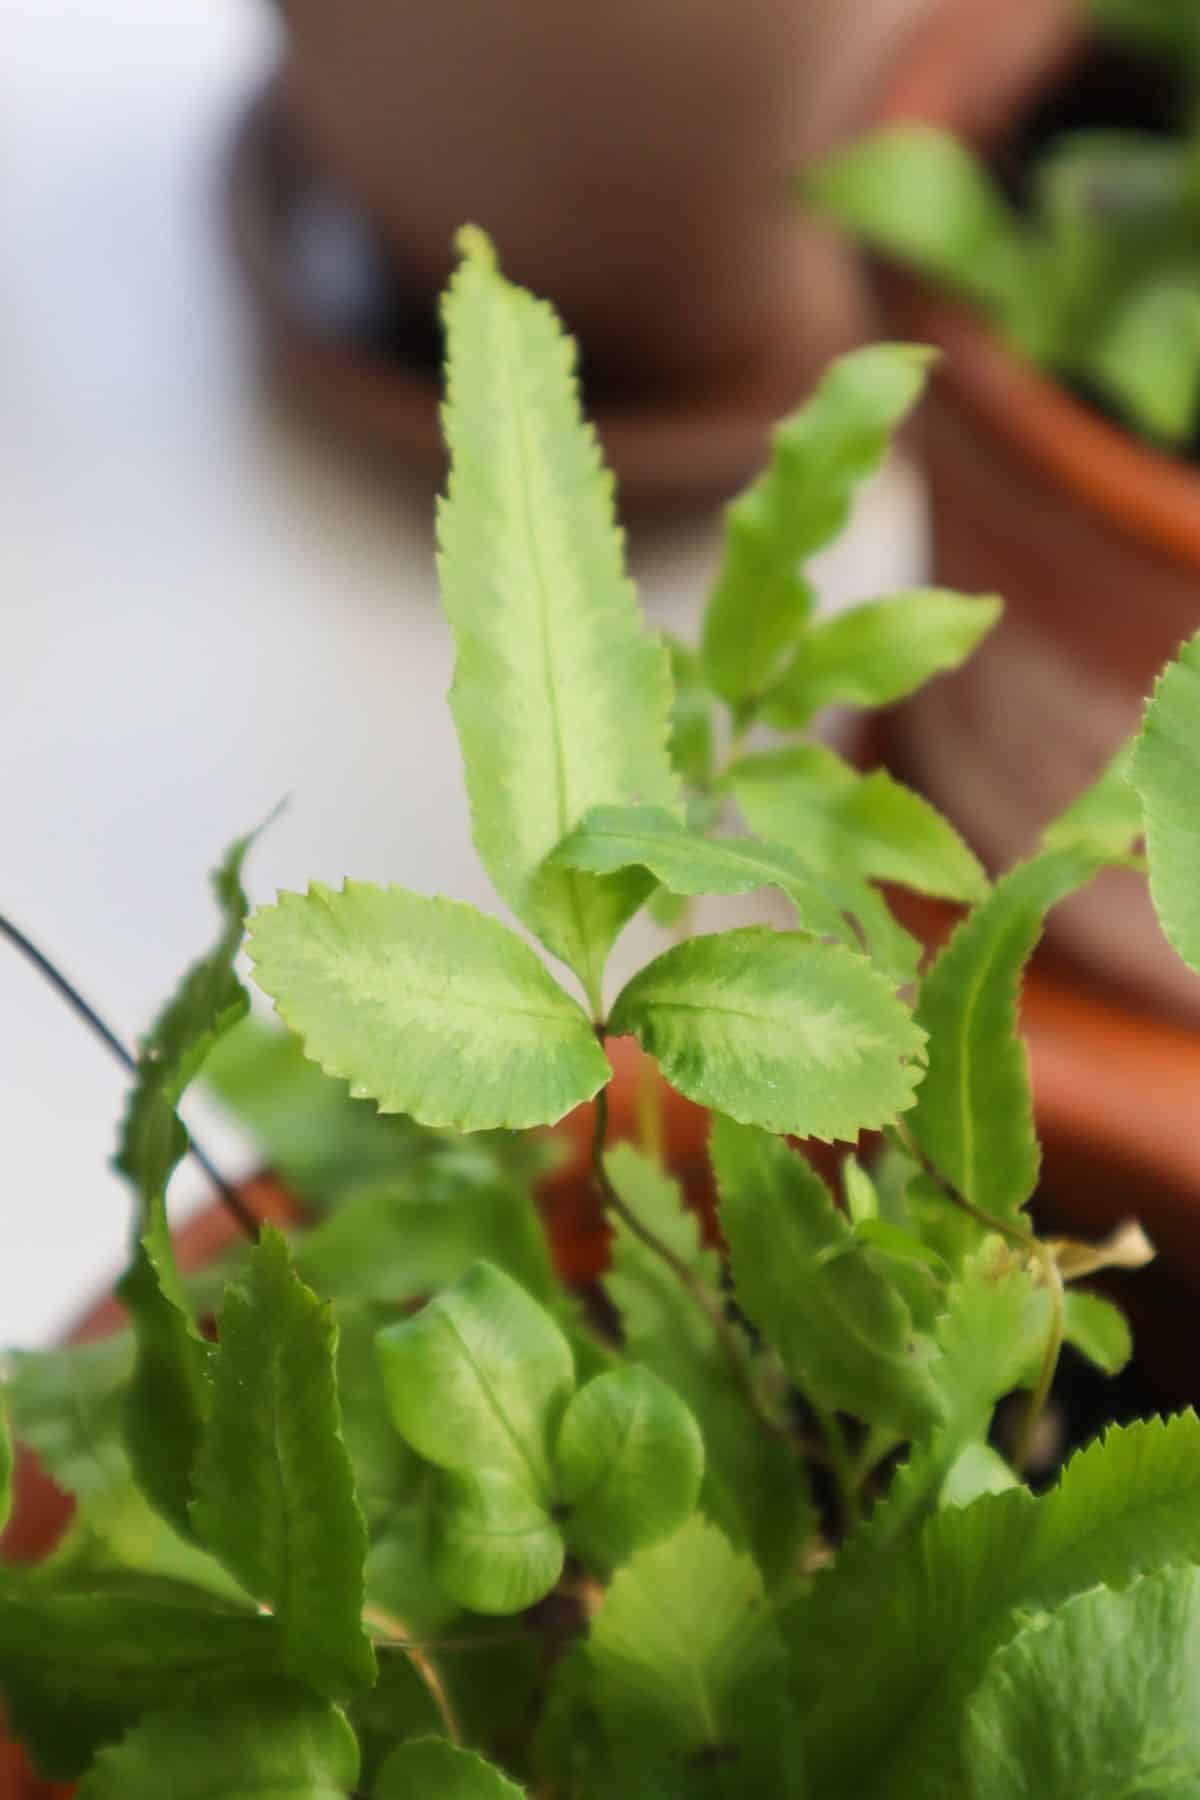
<point>1166,774</point>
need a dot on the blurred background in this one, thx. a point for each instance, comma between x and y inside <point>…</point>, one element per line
<point>213,594</point>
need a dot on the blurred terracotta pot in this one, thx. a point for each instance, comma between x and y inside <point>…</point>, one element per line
<point>631,160</point>
<point>1091,537</point>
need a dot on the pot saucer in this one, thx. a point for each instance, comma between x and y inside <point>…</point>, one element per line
<point>343,330</point>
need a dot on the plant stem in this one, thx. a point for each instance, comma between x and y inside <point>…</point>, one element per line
<point>709,1304</point>
<point>844,1472</point>
<point>228,1194</point>
<point>396,1633</point>
<point>1033,1246</point>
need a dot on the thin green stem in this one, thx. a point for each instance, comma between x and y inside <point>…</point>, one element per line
<point>229,1196</point>
<point>1043,1254</point>
<point>841,1463</point>
<point>396,1633</point>
<point>709,1303</point>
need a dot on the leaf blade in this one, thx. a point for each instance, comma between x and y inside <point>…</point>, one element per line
<point>775,1030</point>
<point>1166,765</point>
<point>426,1006</point>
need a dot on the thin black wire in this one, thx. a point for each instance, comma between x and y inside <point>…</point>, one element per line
<point>230,1198</point>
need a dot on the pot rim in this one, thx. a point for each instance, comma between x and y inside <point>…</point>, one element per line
<point>1147,493</point>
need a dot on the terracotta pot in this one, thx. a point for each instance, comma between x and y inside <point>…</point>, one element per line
<point>1092,538</point>
<point>633,163</point>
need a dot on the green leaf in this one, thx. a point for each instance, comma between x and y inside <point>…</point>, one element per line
<point>1166,26</point>
<point>1098,1330</point>
<point>1146,359</point>
<point>6,1469</point>
<point>845,823</point>
<point>777,1031</point>
<point>561,700</point>
<point>80,1663</point>
<point>67,1406</point>
<point>480,1376</point>
<point>808,1284</point>
<point>1166,770</point>
<point>630,1461</point>
<point>1101,1698</point>
<point>1107,814</point>
<point>685,1673</point>
<point>272,1741</point>
<point>1124,1506</point>
<point>862,1199</point>
<point>274,1487</point>
<point>318,1140</point>
<point>405,1239</point>
<point>691,717</point>
<point>432,1769</point>
<point>914,192</point>
<point>977,1470</point>
<point>168,1393</point>
<point>427,1006</point>
<point>798,505</point>
<point>754,1484</point>
<point>875,654</point>
<point>496,1546</point>
<point>687,862</point>
<point>974,1111</point>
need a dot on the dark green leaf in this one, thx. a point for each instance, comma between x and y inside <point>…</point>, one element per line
<point>800,503</point>
<point>754,1484</point>
<point>844,823</point>
<point>168,1398</point>
<point>974,1111</point>
<point>777,1031</point>
<point>809,1285</point>
<point>1099,1699</point>
<point>270,1740</point>
<point>427,1006</point>
<point>561,699</point>
<point>630,1460</point>
<point>80,1663</point>
<point>432,1769</point>
<point>273,1483</point>
<point>876,654</point>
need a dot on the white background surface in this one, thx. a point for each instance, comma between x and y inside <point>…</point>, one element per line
<point>204,607</point>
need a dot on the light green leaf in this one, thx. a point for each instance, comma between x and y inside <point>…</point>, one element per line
<point>480,1378</point>
<point>754,1484</point>
<point>844,823</point>
<point>1146,357</point>
<point>974,1111</point>
<point>497,1548</point>
<point>917,194</point>
<point>271,1740</point>
<point>1166,774</point>
<point>274,1487</point>
<point>777,1031</point>
<point>1107,814</point>
<point>427,1006</point>
<point>685,1674</point>
<point>67,1406</point>
<point>630,1460</point>
<point>687,862</point>
<point>81,1661</point>
<point>1098,1330</point>
<point>1099,1699</point>
<point>976,1471</point>
<point>1124,1506</point>
<point>875,654</point>
<point>561,700</point>
<point>401,1240</point>
<point>168,1392</point>
<point>691,717</point>
<point>862,1200</point>
<point>808,1284</point>
<point>798,505</point>
<point>431,1769</point>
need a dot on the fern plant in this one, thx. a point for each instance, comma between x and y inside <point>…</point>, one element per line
<point>1097,277</point>
<point>415,1519</point>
